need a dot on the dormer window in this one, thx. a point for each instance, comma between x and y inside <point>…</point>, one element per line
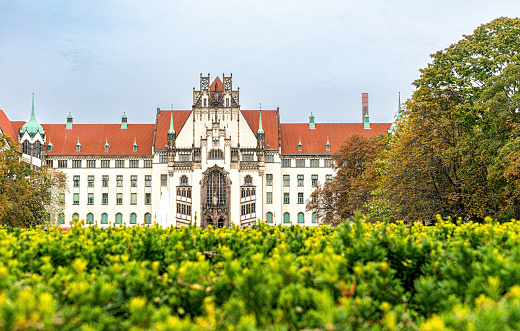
<point>135,145</point>
<point>49,147</point>
<point>107,146</point>
<point>78,146</point>
<point>328,145</point>
<point>248,180</point>
<point>300,147</point>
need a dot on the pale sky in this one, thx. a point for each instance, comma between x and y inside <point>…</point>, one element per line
<point>98,59</point>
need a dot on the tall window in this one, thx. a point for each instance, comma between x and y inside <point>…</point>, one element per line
<point>216,189</point>
<point>76,181</point>
<point>269,158</point>
<point>147,198</point>
<point>286,180</point>
<point>119,218</point>
<point>133,180</point>
<point>286,218</point>
<point>286,163</point>
<point>328,178</point>
<point>104,198</point>
<point>301,218</point>
<point>286,198</point>
<point>119,180</point>
<point>300,163</point>
<point>269,218</point>
<point>300,180</point>
<point>183,180</point>
<point>104,218</point>
<point>163,158</point>
<point>148,180</point>
<point>300,197</point>
<point>147,163</point>
<point>248,180</point>
<point>91,181</point>
<point>49,163</point>
<point>62,198</point>
<point>314,180</point>
<point>61,218</point>
<point>75,200</point>
<point>133,198</point>
<point>315,163</point>
<point>327,163</point>
<point>75,217</point>
<point>314,217</point>
<point>119,198</point>
<point>105,180</point>
<point>62,163</point>
<point>147,218</point>
<point>120,163</point>
<point>90,218</point>
<point>90,199</point>
<point>133,218</point>
<point>269,179</point>
<point>105,163</point>
<point>76,163</point>
<point>163,180</point>
<point>134,163</point>
<point>91,163</point>
<point>269,197</point>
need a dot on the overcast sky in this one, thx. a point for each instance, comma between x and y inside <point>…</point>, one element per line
<point>98,59</point>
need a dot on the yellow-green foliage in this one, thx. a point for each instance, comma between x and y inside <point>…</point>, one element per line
<point>356,276</point>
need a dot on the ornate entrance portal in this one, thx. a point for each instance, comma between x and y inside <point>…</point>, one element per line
<point>215,198</point>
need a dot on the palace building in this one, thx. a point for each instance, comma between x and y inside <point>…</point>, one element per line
<point>217,161</point>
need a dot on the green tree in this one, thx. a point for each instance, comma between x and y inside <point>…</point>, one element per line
<point>27,197</point>
<point>351,187</point>
<point>450,152</point>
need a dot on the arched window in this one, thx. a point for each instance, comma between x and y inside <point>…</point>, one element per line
<point>119,218</point>
<point>179,192</point>
<point>184,180</point>
<point>253,191</point>
<point>147,218</point>
<point>36,149</point>
<point>75,217</point>
<point>286,218</point>
<point>314,217</point>
<point>184,192</point>
<point>248,180</point>
<point>188,193</point>
<point>61,218</point>
<point>104,218</point>
<point>133,218</point>
<point>216,154</point>
<point>248,192</point>
<point>300,218</point>
<point>216,189</point>
<point>90,218</point>
<point>243,193</point>
<point>269,217</point>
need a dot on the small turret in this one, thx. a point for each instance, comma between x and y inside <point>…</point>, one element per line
<point>366,122</point>
<point>312,125</point>
<point>69,122</point>
<point>124,122</point>
<point>32,126</point>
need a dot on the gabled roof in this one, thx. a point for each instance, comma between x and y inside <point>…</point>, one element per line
<point>314,141</point>
<point>163,125</point>
<point>269,125</point>
<point>220,86</point>
<point>92,138</point>
<point>6,127</point>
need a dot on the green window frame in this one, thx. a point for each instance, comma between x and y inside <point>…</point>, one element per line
<point>75,200</point>
<point>90,218</point>
<point>119,218</point>
<point>148,198</point>
<point>300,197</point>
<point>269,197</point>
<point>90,199</point>
<point>104,218</point>
<point>75,217</point>
<point>90,181</point>
<point>301,218</point>
<point>119,198</point>
<point>133,218</point>
<point>133,198</point>
<point>314,217</point>
<point>269,217</point>
<point>286,199</point>
<point>286,217</point>
<point>104,199</point>
<point>61,218</point>
<point>147,218</point>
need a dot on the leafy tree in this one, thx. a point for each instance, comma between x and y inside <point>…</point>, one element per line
<point>454,151</point>
<point>351,187</point>
<point>27,197</point>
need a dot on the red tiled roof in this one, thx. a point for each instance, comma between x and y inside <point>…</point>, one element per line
<point>220,86</point>
<point>163,125</point>
<point>314,141</point>
<point>92,138</point>
<point>17,126</point>
<point>5,125</point>
<point>269,125</point>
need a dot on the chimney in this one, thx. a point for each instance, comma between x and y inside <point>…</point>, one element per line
<point>364,102</point>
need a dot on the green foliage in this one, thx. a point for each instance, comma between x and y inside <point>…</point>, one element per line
<point>357,276</point>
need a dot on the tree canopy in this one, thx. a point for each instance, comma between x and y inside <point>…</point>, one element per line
<point>27,197</point>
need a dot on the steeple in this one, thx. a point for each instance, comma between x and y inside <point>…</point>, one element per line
<point>124,122</point>
<point>260,128</point>
<point>394,124</point>
<point>171,131</point>
<point>32,126</point>
<point>68,126</point>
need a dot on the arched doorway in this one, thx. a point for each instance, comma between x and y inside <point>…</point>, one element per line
<point>215,197</point>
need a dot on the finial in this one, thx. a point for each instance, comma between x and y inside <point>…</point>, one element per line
<point>171,131</point>
<point>260,128</point>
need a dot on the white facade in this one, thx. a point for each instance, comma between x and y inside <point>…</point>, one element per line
<point>215,161</point>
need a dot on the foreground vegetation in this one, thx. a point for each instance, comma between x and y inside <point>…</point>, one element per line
<point>356,276</point>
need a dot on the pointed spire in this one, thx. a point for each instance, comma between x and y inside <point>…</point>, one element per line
<point>394,124</point>
<point>32,126</point>
<point>399,108</point>
<point>260,128</point>
<point>171,131</point>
